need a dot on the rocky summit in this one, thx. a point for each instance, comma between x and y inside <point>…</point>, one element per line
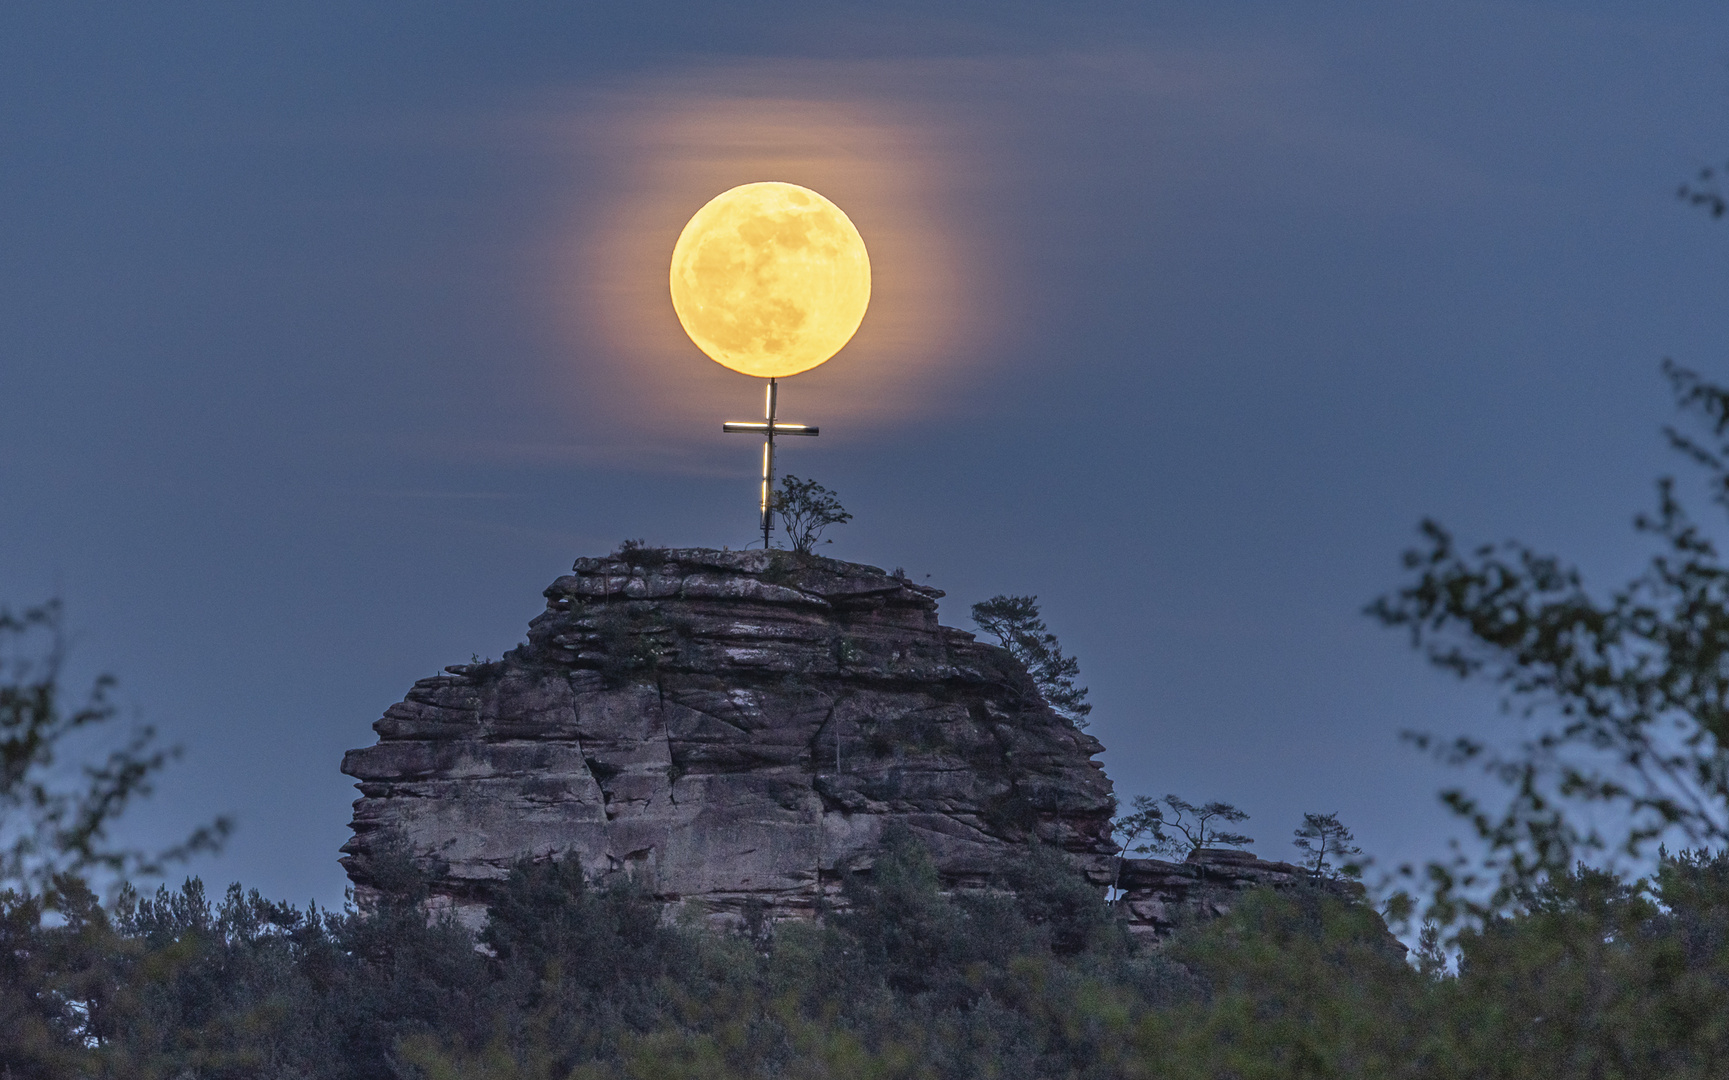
<point>733,729</point>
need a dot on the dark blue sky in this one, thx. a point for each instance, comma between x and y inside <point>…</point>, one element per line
<point>330,334</point>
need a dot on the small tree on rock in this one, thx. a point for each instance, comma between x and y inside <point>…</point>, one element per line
<point>1014,621</point>
<point>1191,827</point>
<point>806,508</point>
<point>1329,850</point>
<point>1141,830</point>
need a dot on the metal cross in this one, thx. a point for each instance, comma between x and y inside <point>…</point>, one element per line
<point>768,430</point>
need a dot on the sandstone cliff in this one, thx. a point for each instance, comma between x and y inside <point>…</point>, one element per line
<point>729,727</point>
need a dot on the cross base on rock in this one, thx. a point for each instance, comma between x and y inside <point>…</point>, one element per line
<point>768,429</point>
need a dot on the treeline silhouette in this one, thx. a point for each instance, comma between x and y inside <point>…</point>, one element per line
<point>573,979</point>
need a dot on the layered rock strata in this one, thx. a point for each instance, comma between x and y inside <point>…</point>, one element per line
<point>1158,897</point>
<point>731,728</point>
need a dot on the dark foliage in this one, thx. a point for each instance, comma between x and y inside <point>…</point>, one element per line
<point>1328,849</point>
<point>632,639</point>
<point>1015,622</point>
<point>49,829</point>
<point>1705,191</point>
<point>1629,692</point>
<point>1060,906</point>
<point>1174,826</point>
<point>805,509</point>
<point>1588,975</point>
<point>637,554</point>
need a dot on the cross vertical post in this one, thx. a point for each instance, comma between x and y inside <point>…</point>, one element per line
<point>768,464</point>
<point>768,429</point>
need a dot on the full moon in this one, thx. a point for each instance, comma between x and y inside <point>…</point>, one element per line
<point>770,279</point>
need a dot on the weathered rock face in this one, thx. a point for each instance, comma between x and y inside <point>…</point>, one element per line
<point>728,727</point>
<point>1159,897</point>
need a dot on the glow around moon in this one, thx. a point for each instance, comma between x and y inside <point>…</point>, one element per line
<point>770,279</point>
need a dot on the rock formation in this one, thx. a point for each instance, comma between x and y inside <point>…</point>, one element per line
<point>1158,897</point>
<point>738,728</point>
<point>729,727</point>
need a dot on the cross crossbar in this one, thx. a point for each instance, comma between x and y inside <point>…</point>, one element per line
<point>733,426</point>
<point>768,428</point>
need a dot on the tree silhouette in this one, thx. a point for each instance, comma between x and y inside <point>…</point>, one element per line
<point>1192,827</point>
<point>1014,621</point>
<point>1329,850</point>
<point>1629,690</point>
<point>51,829</point>
<point>806,508</point>
<point>1146,822</point>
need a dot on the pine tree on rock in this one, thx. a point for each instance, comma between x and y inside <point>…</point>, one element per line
<point>1191,827</point>
<point>1014,621</point>
<point>1329,850</point>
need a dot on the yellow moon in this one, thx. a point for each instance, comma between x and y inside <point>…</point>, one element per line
<point>770,279</point>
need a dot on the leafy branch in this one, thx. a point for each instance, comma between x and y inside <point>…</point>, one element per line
<point>1631,692</point>
<point>51,830</point>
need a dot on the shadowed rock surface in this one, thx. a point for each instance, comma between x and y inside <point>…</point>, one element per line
<point>1159,897</point>
<point>728,727</point>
